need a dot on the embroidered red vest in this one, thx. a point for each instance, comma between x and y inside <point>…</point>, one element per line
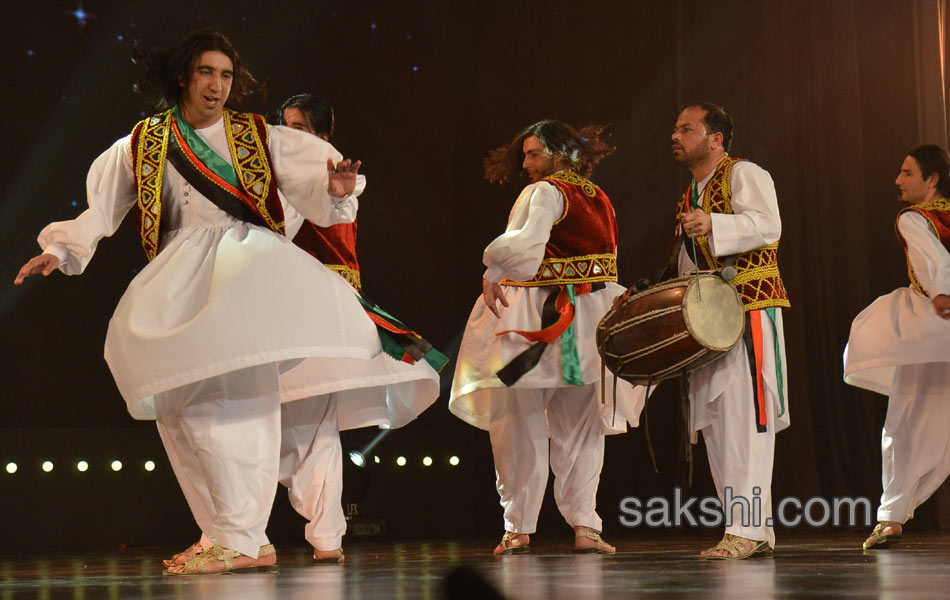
<point>583,243</point>
<point>334,246</point>
<point>248,140</point>
<point>937,213</point>
<point>758,281</point>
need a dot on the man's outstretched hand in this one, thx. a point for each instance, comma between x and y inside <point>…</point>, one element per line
<point>342,177</point>
<point>43,264</point>
<point>493,293</point>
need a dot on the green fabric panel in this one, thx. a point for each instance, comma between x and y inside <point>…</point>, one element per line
<point>570,360</point>
<point>203,151</point>
<point>779,371</point>
<point>436,360</point>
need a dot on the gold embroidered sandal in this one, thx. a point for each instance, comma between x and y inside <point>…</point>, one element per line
<point>218,559</point>
<point>601,547</point>
<point>878,539</point>
<point>735,548</point>
<point>511,545</point>
<point>184,556</point>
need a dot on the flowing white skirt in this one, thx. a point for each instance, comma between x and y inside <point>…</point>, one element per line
<point>381,392</point>
<point>482,354</point>
<point>900,328</point>
<point>218,299</point>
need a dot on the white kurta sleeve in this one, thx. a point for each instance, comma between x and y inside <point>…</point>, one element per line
<point>518,252</point>
<point>110,192</point>
<point>340,211</point>
<point>755,221</point>
<point>929,258</point>
<point>299,160</point>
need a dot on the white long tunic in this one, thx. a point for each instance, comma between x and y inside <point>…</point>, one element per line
<point>221,294</point>
<point>517,255</point>
<point>902,328</point>
<point>755,223</point>
<point>383,391</point>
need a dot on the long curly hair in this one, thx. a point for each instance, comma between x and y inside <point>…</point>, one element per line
<point>162,70</point>
<point>582,149</point>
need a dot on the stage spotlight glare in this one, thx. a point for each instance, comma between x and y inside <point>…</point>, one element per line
<point>427,461</point>
<point>357,458</point>
<point>117,465</point>
<point>376,459</point>
<point>11,468</point>
<point>150,465</point>
<point>454,461</point>
<point>47,466</point>
<point>82,466</point>
<point>401,461</point>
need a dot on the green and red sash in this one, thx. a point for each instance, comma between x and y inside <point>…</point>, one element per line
<point>579,257</point>
<point>245,188</point>
<point>399,341</point>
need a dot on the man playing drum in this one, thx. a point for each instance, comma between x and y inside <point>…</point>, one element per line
<point>730,212</point>
<point>900,346</point>
<point>529,366</point>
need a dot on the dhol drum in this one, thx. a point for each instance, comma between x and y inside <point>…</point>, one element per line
<point>671,328</point>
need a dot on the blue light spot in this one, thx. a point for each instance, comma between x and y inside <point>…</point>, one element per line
<point>120,37</point>
<point>415,68</point>
<point>372,26</point>
<point>80,15</point>
<point>74,203</point>
<point>30,52</point>
<point>142,114</point>
<point>408,36</point>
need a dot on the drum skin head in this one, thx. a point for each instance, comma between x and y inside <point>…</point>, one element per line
<point>714,315</point>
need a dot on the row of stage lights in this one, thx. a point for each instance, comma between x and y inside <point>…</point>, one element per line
<point>356,457</point>
<point>360,460</point>
<point>81,466</point>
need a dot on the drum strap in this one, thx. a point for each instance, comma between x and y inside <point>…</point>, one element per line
<point>754,348</point>
<point>686,445</point>
<point>557,319</point>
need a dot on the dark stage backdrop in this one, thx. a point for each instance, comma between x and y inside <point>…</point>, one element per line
<point>827,95</point>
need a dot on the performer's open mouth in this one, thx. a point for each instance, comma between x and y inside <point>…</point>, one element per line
<point>211,100</point>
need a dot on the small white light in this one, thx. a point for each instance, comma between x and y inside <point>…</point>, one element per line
<point>82,466</point>
<point>11,467</point>
<point>376,459</point>
<point>427,461</point>
<point>401,461</point>
<point>47,466</point>
<point>454,461</point>
<point>117,465</point>
<point>357,458</point>
<point>150,465</point>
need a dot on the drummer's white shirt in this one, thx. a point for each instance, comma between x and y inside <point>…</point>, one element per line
<point>755,221</point>
<point>721,393</point>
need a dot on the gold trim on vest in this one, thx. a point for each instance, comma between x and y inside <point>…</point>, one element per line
<point>351,275</point>
<point>151,146</point>
<point>576,269</point>
<point>758,281</point>
<point>248,156</point>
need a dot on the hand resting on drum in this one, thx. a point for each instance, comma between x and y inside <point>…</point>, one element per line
<point>492,293</point>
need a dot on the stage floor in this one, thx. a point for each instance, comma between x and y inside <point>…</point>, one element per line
<point>830,566</point>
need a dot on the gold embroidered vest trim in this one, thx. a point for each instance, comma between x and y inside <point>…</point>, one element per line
<point>758,281</point>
